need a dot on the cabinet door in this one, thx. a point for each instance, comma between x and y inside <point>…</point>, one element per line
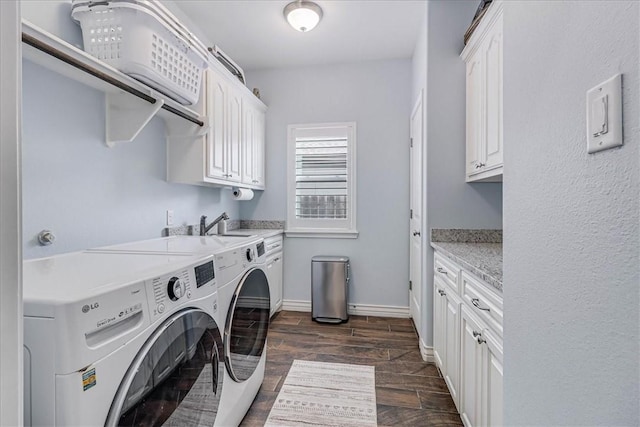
<point>259,149</point>
<point>474,122</point>
<point>248,138</point>
<point>234,141</point>
<point>216,138</point>
<point>493,135</point>
<point>470,368</point>
<point>274,275</point>
<point>492,381</point>
<point>452,344</point>
<point>278,286</point>
<point>439,306</point>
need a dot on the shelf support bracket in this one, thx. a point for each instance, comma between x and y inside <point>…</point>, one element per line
<point>126,116</point>
<point>185,131</point>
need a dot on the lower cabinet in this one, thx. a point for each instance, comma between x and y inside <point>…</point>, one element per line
<point>467,345</point>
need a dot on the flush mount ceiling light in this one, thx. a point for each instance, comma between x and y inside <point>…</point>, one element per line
<point>303,15</point>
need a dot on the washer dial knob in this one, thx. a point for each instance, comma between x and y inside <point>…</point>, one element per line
<point>175,289</point>
<point>250,254</point>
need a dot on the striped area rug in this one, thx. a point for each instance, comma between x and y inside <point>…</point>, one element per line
<point>326,394</point>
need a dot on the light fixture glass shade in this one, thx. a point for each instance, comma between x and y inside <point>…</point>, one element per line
<point>303,15</point>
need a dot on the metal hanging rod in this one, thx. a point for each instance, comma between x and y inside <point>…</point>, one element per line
<point>50,50</point>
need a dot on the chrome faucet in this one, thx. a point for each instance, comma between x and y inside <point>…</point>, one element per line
<point>204,228</point>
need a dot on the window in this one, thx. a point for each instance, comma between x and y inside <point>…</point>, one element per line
<point>321,180</point>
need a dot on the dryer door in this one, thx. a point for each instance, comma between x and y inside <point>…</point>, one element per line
<point>245,334</point>
<point>176,378</point>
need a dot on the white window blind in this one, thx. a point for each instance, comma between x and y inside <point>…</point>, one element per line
<point>321,180</point>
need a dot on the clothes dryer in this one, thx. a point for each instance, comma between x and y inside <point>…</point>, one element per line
<point>122,339</point>
<point>243,290</point>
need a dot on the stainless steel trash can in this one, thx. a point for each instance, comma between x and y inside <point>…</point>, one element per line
<point>329,288</point>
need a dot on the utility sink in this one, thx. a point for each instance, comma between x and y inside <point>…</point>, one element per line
<point>236,235</point>
<point>232,238</point>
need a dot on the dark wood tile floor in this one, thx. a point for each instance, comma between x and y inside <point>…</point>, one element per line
<point>409,392</point>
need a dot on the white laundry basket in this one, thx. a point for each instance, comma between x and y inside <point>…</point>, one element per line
<point>144,40</point>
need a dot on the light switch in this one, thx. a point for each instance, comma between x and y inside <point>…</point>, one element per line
<point>599,116</point>
<point>604,115</point>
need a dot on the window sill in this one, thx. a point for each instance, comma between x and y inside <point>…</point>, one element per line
<point>322,234</point>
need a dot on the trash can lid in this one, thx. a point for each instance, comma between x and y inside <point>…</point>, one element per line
<point>329,258</point>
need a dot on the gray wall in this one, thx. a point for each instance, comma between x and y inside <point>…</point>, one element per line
<point>73,184</point>
<point>376,96</point>
<point>88,194</point>
<point>450,202</point>
<point>571,257</point>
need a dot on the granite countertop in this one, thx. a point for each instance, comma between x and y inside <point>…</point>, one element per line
<point>263,228</point>
<point>477,251</point>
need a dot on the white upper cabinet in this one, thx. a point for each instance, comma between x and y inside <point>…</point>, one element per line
<point>231,153</point>
<point>253,144</point>
<point>484,64</point>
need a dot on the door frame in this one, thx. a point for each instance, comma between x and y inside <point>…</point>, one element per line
<point>11,324</point>
<point>419,104</point>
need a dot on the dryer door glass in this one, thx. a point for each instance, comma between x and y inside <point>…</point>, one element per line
<point>245,333</point>
<point>176,378</point>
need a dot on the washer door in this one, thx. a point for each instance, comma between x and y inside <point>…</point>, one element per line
<point>245,334</point>
<point>176,378</point>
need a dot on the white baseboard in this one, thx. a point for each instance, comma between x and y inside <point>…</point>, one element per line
<point>355,309</point>
<point>296,305</point>
<point>426,352</point>
<point>378,310</point>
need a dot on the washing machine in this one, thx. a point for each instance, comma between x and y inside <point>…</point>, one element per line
<point>122,339</point>
<point>244,301</point>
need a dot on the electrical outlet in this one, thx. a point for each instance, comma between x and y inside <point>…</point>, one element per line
<point>169,217</point>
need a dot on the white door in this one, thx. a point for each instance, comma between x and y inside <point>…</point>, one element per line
<point>415,215</point>
<point>11,351</point>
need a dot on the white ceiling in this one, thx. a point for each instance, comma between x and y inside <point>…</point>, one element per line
<point>255,34</point>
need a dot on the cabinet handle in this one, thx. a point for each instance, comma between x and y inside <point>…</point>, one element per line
<point>441,292</point>
<point>416,233</point>
<point>480,165</point>
<point>255,181</point>
<point>442,270</point>
<point>481,340</point>
<point>476,334</point>
<point>476,303</point>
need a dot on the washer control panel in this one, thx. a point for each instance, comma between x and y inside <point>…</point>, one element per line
<point>179,287</point>
<point>235,261</point>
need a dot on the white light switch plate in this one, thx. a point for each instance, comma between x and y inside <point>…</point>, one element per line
<point>604,115</point>
<point>169,217</point>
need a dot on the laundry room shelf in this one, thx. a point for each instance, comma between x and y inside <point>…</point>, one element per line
<point>130,103</point>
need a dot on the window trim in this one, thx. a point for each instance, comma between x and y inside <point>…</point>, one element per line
<point>321,228</point>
